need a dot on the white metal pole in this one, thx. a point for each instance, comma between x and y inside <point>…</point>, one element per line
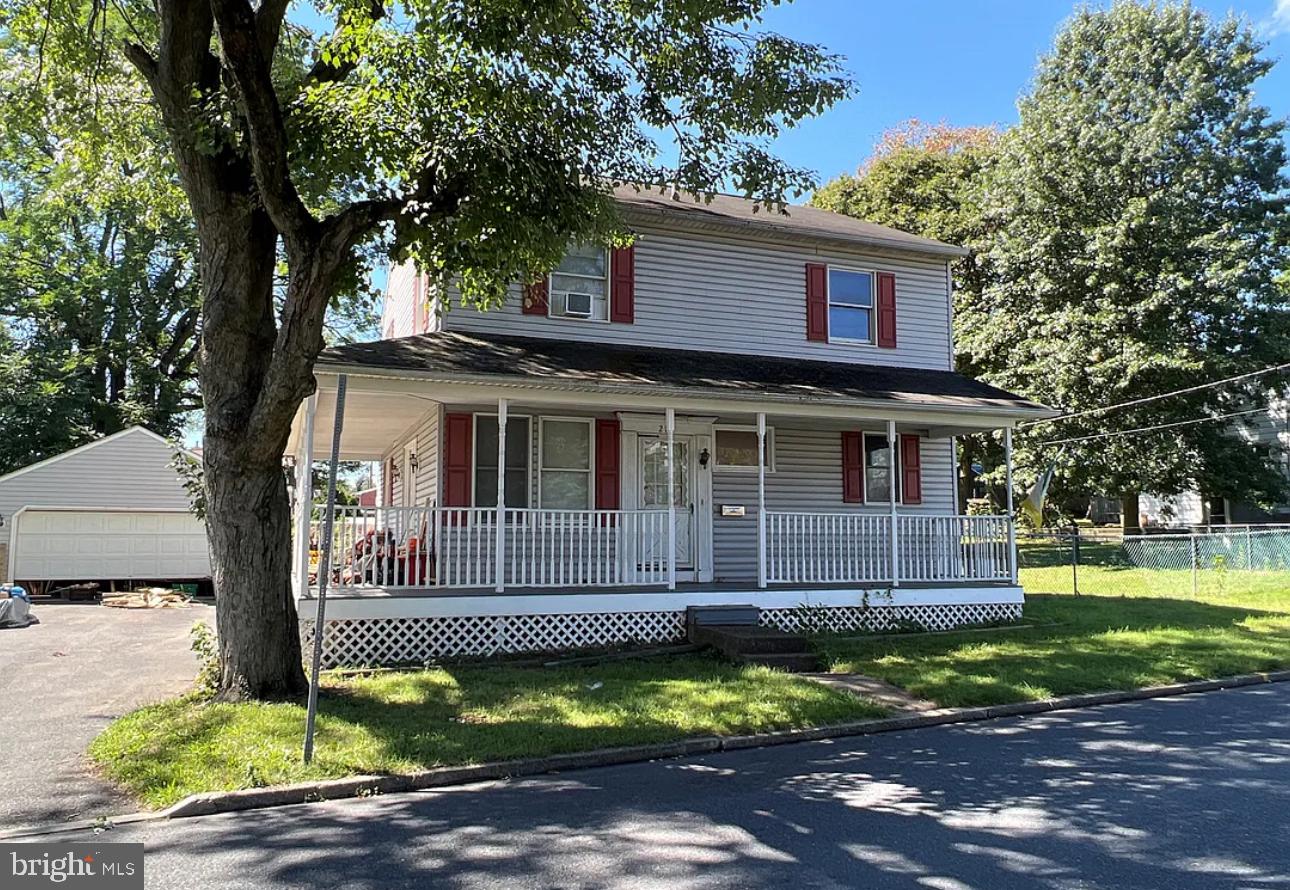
<point>671,499</point>
<point>324,569</point>
<point>1012,519</point>
<point>954,471</point>
<point>499,555</point>
<point>761,499</point>
<point>893,470</point>
<point>305,494</point>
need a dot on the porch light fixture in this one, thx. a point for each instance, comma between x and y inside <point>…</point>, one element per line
<point>394,472</point>
<point>412,461</point>
<point>704,457</point>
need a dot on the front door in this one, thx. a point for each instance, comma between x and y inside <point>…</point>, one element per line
<point>654,495</point>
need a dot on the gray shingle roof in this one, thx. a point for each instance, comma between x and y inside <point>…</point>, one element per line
<point>730,212</point>
<point>458,355</point>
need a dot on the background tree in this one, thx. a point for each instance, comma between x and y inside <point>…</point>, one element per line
<point>98,278</point>
<point>477,138</point>
<point>1141,222</point>
<point>1126,237</point>
<point>929,180</point>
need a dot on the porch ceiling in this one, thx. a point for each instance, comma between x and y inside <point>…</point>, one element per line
<point>372,422</point>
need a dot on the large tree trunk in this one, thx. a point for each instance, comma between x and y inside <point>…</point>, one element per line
<point>248,523</point>
<point>248,518</point>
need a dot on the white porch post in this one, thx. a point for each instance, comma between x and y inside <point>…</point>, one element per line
<point>499,554</point>
<point>893,469</point>
<point>761,499</point>
<point>1012,519</point>
<point>671,499</point>
<point>305,494</point>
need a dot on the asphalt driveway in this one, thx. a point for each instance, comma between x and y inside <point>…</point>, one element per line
<point>1170,794</point>
<point>62,681</point>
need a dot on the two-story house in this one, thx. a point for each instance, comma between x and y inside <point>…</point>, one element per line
<point>743,408</point>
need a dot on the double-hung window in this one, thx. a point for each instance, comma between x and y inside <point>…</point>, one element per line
<point>735,449</point>
<point>878,470</point>
<point>851,302</point>
<point>517,460</point>
<point>580,285</point>
<point>565,471</point>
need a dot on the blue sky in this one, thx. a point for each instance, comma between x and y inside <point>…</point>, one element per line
<point>958,61</point>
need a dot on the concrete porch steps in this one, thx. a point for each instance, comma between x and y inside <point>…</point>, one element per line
<point>758,645</point>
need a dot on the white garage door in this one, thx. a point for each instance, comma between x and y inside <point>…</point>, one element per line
<point>75,545</point>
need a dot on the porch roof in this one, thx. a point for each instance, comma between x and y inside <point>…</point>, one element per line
<point>454,356</point>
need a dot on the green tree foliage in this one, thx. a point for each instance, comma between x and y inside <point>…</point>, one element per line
<point>1126,234</point>
<point>1142,221</point>
<point>476,137</point>
<point>98,272</point>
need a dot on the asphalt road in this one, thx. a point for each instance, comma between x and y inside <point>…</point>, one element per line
<point>1173,793</point>
<point>62,681</point>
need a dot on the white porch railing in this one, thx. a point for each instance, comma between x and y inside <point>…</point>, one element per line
<point>457,547</point>
<point>822,548</point>
<point>443,547</point>
<point>816,548</point>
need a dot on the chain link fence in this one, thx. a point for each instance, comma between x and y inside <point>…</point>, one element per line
<point>1245,560</point>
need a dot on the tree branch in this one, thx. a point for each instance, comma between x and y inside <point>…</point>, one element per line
<point>268,25</point>
<point>330,72</point>
<point>246,63</point>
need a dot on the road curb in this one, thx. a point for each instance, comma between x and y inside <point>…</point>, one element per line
<point>212,803</point>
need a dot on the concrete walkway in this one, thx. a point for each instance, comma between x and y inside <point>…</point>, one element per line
<point>62,681</point>
<point>874,690</point>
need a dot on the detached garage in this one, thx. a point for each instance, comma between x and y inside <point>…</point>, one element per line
<point>112,511</point>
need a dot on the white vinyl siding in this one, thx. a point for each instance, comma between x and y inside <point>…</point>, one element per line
<point>737,295</point>
<point>426,435</point>
<point>808,477</point>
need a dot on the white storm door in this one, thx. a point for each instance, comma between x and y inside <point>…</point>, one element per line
<point>651,470</point>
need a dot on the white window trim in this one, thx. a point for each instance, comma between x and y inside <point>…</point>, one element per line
<point>872,307</point>
<point>609,277</point>
<point>474,468</point>
<point>590,423</point>
<point>737,428</point>
<point>864,470</point>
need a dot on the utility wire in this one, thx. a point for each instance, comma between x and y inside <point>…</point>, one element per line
<point>1147,429</point>
<point>1177,392</point>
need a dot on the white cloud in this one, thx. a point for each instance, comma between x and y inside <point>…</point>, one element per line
<point>1279,21</point>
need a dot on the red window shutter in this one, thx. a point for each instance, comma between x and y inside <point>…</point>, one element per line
<point>622,287</point>
<point>607,464</point>
<point>535,297</point>
<point>457,459</point>
<point>389,484</point>
<point>911,469</point>
<point>886,310</point>
<point>817,302</point>
<point>852,468</point>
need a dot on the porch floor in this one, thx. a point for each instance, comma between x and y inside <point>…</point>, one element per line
<point>682,587</point>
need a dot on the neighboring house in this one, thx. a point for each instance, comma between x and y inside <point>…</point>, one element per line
<point>1191,509</point>
<point>112,511</point>
<point>704,418</point>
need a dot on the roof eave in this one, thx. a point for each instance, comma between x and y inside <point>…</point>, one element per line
<point>1029,411</point>
<point>767,227</point>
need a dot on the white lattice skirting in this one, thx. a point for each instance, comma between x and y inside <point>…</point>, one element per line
<point>885,618</point>
<point>369,642</point>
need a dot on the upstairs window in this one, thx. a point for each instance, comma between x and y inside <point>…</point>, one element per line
<point>851,302</point>
<point>580,285</point>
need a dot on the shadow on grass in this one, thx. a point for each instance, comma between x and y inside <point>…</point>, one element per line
<point>404,721</point>
<point>1087,644</point>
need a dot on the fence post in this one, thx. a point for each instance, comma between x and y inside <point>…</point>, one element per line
<point>1075,560</point>
<point>1195,567</point>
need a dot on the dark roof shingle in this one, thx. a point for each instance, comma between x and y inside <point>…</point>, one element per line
<point>455,354</point>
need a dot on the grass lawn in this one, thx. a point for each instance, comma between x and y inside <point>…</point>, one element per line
<point>397,722</point>
<point>1091,643</point>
